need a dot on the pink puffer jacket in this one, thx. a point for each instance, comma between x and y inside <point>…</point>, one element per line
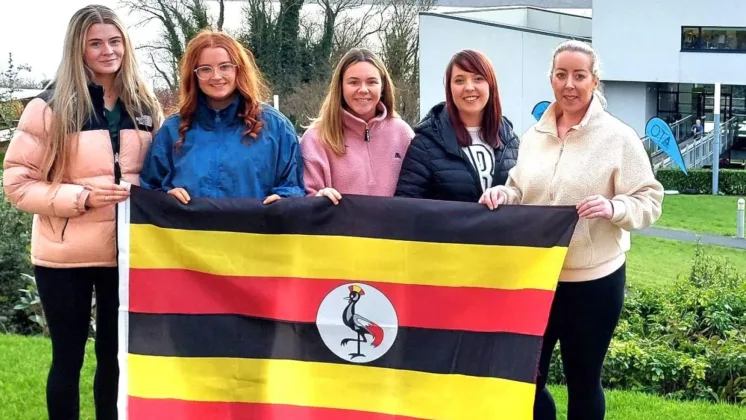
<point>65,233</point>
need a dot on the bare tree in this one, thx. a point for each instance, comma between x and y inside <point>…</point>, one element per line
<point>181,20</point>
<point>221,15</point>
<point>400,50</point>
<point>10,109</point>
<point>352,31</point>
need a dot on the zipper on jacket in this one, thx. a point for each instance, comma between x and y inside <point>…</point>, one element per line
<point>64,228</point>
<point>117,169</point>
<point>367,134</point>
<point>554,173</point>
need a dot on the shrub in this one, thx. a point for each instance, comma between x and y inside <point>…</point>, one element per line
<point>730,181</point>
<point>15,235</point>
<point>686,342</point>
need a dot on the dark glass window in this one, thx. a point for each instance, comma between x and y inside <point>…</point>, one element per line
<point>713,39</point>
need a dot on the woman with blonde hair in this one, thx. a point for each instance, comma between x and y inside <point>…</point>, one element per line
<point>357,143</point>
<point>224,142</point>
<point>90,129</point>
<point>579,155</point>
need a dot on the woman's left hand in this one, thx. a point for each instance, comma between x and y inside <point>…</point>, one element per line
<point>594,207</point>
<point>271,199</point>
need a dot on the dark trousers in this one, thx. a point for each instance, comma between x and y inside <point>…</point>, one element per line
<point>583,318</point>
<point>66,298</point>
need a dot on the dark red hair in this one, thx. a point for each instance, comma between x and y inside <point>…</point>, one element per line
<point>478,63</point>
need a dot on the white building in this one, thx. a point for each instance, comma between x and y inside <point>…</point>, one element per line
<point>519,42</point>
<point>658,58</point>
<point>663,58</point>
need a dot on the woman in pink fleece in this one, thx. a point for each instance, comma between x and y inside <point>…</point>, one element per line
<point>358,142</point>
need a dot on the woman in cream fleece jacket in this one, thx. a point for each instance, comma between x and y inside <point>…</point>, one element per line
<point>578,154</point>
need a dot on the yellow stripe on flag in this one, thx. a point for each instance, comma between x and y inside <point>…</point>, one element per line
<point>350,258</point>
<point>350,387</point>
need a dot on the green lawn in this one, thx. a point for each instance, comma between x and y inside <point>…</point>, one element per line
<point>24,362</point>
<point>655,262</point>
<point>700,213</point>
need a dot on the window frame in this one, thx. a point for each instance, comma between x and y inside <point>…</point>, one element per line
<point>700,37</point>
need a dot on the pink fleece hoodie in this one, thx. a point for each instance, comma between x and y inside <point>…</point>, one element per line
<point>371,163</point>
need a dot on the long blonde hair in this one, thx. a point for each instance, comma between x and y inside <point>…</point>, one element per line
<point>330,123</point>
<point>71,101</point>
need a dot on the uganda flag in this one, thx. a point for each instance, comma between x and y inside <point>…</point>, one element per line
<point>374,309</point>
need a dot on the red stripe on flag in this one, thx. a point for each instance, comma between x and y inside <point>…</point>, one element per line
<point>297,300</point>
<point>159,409</point>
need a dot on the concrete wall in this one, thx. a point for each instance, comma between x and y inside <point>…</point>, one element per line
<point>640,40</point>
<point>560,23</point>
<point>508,16</point>
<point>635,103</point>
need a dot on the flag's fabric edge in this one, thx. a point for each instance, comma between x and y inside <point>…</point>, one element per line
<point>416,221</point>
<point>123,257</point>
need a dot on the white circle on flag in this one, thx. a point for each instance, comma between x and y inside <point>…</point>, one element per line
<point>357,322</point>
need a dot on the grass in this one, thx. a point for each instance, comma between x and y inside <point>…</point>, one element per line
<point>655,262</point>
<point>24,362</point>
<point>622,405</point>
<point>700,213</point>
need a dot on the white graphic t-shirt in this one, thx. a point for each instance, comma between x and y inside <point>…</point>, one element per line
<point>482,157</point>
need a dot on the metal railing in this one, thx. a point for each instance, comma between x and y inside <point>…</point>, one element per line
<point>681,130</point>
<point>698,153</point>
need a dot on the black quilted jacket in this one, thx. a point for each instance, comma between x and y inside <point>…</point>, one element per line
<point>435,167</point>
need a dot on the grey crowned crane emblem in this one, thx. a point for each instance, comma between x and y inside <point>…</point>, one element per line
<point>360,326</point>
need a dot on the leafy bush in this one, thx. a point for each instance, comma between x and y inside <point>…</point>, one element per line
<point>15,235</point>
<point>30,303</point>
<point>730,181</point>
<point>686,342</point>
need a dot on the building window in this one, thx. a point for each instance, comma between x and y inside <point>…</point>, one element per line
<point>713,39</point>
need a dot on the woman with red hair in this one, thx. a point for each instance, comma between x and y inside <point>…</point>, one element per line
<point>464,145</point>
<point>224,142</point>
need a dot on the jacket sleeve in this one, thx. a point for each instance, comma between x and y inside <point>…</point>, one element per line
<point>316,172</point>
<point>289,173</point>
<point>157,168</point>
<point>416,172</point>
<point>512,187</point>
<point>22,175</point>
<point>639,196</point>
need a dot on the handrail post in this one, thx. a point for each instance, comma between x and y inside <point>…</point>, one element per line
<point>716,148</point>
<point>739,217</point>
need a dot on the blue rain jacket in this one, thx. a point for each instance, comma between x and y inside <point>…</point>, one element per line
<point>216,160</point>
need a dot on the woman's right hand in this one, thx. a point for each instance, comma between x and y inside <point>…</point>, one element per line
<point>331,194</point>
<point>105,195</point>
<point>180,195</point>
<point>493,197</point>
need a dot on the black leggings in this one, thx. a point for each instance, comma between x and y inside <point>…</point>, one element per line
<point>583,318</point>
<point>66,298</point>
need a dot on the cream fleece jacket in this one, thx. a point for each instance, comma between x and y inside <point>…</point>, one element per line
<point>601,155</point>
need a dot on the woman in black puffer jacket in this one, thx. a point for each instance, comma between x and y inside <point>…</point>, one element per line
<point>464,145</point>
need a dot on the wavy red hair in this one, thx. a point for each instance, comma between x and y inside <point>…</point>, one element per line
<point>478,63</point>
<point>249,81</point>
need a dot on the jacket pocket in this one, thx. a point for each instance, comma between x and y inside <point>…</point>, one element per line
<point>64,228</point>
<point>53,228</point>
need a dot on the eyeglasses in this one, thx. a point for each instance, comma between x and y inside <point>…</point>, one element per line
<point>206,72</point>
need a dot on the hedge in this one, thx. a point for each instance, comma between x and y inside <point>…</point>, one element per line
<point>699,181</point>
<point>687,341</point>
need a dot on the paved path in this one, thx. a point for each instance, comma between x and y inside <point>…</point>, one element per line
<point>687,236</point>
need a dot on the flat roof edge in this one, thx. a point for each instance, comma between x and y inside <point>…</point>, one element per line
<point>506,26</point>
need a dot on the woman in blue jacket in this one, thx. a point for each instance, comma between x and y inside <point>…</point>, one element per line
<point>223,143</point>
